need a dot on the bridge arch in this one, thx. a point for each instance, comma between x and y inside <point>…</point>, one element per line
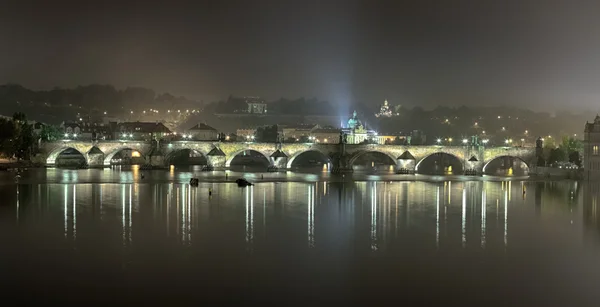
<point>367,151</point>
<point>173,154</point>
<point>505,156</point>
<point>110,155</point>
<point>298,154</point>
<point>232,156</point>
<point>459,159</point>
<point>51,160</point>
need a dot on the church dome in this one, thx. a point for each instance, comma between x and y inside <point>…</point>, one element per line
<point>354,122</point>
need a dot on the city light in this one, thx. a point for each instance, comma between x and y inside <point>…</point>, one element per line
<point>168,111</point>
<point>124,135</point>
<point>130,135</point>
<point>506,141</point>
<point>526,131</point>
<point>75,135</point>
<point>503,129</point>
<point>485,141</point>
<point>499,117</point>
<point>104,112</point>
<point>66,135</point>
<point>483,132</point>
<point>439,141</point>
<point>476,123</point>
<point>465,141</point>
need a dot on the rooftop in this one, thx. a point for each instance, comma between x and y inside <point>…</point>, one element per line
<point>203,127</point>
<point>144,127</point>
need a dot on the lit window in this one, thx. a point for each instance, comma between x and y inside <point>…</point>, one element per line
<point>595,150</point>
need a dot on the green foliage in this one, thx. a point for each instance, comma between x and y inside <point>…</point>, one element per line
<point>50,133</point>
<point>16,137</point>
<point>557,155</point>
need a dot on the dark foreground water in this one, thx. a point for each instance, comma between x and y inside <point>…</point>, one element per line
<point>86,237</point>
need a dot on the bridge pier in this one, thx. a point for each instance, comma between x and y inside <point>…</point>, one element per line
<point>95,160</point>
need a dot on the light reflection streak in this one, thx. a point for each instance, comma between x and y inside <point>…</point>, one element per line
<point>18,205</point>
<point>505,218</point>
<point>183,214</point>
<point>249,216</point>
<point>74,212</point>
<point>123,232</point>
<point>374,246</point>
<point>311,216</point>
<point>464,217</point>
<point>483,217</point>
<point>130,219</point>
<point>437,219</point>
<point>189,216</point>
<point>66,211</point>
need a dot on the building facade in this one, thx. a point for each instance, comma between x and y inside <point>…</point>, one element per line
<point>356,133</point>
<point>326,135</point>
<point>256,105</point>
<point>140,131</point>
<point>297,132</point>
<point>591,149</point>
<point>245,134</point>
<point>203,132</point>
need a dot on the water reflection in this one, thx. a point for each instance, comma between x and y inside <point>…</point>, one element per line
<point>367,225</point>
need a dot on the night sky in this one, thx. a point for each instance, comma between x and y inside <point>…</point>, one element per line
<point>533,53</point>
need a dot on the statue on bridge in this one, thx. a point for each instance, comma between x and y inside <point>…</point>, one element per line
<point>343,138</point>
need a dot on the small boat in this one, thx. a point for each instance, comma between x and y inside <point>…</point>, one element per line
<point>243,182</point>
<point>194,182</point>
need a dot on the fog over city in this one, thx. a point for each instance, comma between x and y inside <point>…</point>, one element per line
<point>541,56</point>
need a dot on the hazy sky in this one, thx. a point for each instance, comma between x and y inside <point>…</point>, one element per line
<point>443,52</point>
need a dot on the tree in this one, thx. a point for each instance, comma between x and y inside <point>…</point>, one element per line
<point>50,133</point>
<point>557,155</point>
<point>575,158</point>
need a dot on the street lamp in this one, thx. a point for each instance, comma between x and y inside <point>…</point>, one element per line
<point>465,141</point>
<point>130,135</point>
<point>74,135</point>
<point>485,141</point>
<point>66,135</point>
<point>439,141</point>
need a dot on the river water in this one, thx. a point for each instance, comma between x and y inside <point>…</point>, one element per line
<point>298,238</point>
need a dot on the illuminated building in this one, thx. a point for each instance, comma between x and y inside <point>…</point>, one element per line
<point>591,149</point>
<point>357,133</point>
<point>385,110</point>
<point>203,132</point>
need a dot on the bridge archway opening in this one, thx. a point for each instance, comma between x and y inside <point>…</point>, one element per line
<point>248,159</point>
<point>125,156</point>
<point>440,163</point>
<point>186,157</point>
<point>68,158</point>
<point>373,160</point>
<point>506,166</point>
<point>310,159</point>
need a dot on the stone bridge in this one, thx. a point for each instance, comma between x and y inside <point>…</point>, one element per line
<point>220,154</point>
